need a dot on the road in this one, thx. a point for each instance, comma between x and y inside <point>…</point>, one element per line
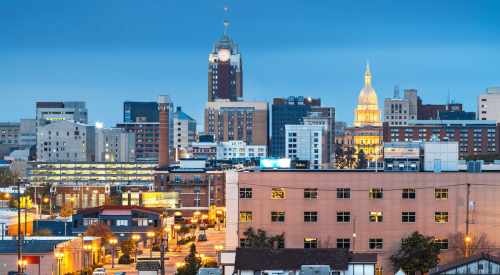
<point>214,236</point>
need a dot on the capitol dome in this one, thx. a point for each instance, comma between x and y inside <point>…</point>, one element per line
<point>367,96</point>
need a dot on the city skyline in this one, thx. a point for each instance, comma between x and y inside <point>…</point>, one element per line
<point>105,53</point>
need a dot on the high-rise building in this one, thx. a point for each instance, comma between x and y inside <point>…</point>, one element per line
<point>239,120</point>
<point>488,105</point>
<point>184,133</point>
<point>47,112</point>
<point>398,111</point>
<point>140,111</point>
<point>288,111</point>
<point>307,142</point>
<point>225,72</point>
<point>114,145</point>
<point>28,132</point>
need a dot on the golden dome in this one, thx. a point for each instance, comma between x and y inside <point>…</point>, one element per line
<point>367,96</point>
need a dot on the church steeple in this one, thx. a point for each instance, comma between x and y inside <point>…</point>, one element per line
<point>368,76</point>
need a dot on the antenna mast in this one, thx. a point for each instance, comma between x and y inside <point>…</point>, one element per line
<point>225,21</point>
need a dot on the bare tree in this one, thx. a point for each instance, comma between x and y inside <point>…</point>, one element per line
<point>327,243</point>
<point>478,243</point>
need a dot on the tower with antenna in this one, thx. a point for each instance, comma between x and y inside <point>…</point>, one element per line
<point>396,92</point>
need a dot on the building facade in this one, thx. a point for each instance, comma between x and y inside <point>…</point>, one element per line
<point>114,145</point>
<point>488,105</point>
<point>28,132</point>
<point>306,142</point>
<point>208,150</point>
<point>311,207</point>
<point>247,121</point>
<point>66,141</point>
<point>134,111</point>
<point>428,111</point>
<point>184,132</point>
<point>10,133</point>
<point>48,112</point>
<point>398,111</point>
<point>288,111</point>
<point>225,70</point>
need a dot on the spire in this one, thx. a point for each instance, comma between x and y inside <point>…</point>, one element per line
<point>368,76</point>
<point>225,22</point>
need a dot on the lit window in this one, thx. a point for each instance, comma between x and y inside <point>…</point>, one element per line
<point>441,194</point>
<point>277,216</point>
<point>378,270</point>
<point>441,217</point>
<point>245,216</point>
<point>376,193</point>
<point>376,244</point>
<point>277,193</point>
<point>408,194</point>
<point>376,216</point>
<point>245,193</point>
<point>310,193</point>
<point>310,243</point>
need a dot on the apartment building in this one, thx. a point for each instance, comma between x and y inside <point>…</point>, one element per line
<point>184,133</point>
<point>488,105</point>
<point>114,145</point>
<point>307,142</point>
<point>10,133</point>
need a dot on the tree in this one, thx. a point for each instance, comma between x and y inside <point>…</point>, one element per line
<point>208,262</point>
<point>339,156</point>
<point>192,265</point>
<point>361,160</point>
<point>486,157</point>
<point>30,192</point>
<point>24,201</point>
<point>66,210</point>
<point>8,177</point>
<point>127,246</point>
<point>349,156</point>
<point>261,239</point>
<point>183,231</point>
<point>108,201</point>
<point>46,190</point>
<point>117,200</point>
<point>99,229</point>
<point>327,243</point>
<point>42,232</point>
<point>478,243</point>
<point>418,253</point>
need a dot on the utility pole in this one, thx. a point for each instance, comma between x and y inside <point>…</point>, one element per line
<point>467,238</point>
<point>19,226</point>
<point>354,236</point>
<point>3,224</point>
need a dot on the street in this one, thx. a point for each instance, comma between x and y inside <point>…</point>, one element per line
<point>206,248</point>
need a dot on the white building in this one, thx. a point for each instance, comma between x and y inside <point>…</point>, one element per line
<point>47,112</point>
<point>184,133</point>
<point>305,142</point>
<point>488,105</point>
<point>229,150</point>
<point>114,145</point>
<point>65,141</point>
<point>28,132</point>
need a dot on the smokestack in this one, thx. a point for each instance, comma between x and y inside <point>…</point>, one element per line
<point>164,108</point>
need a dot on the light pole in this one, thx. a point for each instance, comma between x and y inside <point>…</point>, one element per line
<point>88,249</point>
<point>5,196</point>
<point>177,227</point>
<point>218,218</point>
<point>50,206</point>
<point>179,265</point>
<point>467,240</point>
<point>113,243</point>
<point>167,230</point>
<point>136,239</point>
<point>22,264</point>
<point>204,225</point>
<point>218,248</point>
<point>151,235</point>
<point>193,221</point>
<point>59,257</point>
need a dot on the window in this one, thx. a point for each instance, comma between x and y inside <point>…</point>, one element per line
<point>177,189</point>
<point>343,193</point>
<point>277,193</point>
<point>443,242</point>
<point>277,216</point>
<point>408,194</point>
<point>343,243</point>
<point>245,216</point>
<point>343,216</point>
<point>177,178</point>
<point>310,193</point>
<point>441,217</point>
<point>376,216</point>
<point>376,244</point>
<point>196,201</point>
<point>408,217</point>
<point>121,222</point>
<point>197,190</point>
<point>376,193</point>
<point>310,216</point>
<point>245,193</point>
<point>139,219</point>
<point>378,270</point>
<point>310,243</point>
<point>441,194</point>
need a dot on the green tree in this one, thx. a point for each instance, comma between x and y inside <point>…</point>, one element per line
<point>8,177</point>
<point>127,246</point>
<point>192,263</point>
<point>339,156</point>
<point>486,157</point>
<point>30,192</point>
<point>46,190</point>
<point>184,230</point>
<point>208,262</point>
<point>361,160</point>
<point>418,253</point>
<point>261,239</point>
<point>349,156</point>
<point>42,232</point>
<point>117,200</point>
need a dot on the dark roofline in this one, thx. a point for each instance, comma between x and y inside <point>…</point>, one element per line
<point>465,261</point>
<point>121,207</point>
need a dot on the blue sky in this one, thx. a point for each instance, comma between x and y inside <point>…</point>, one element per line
<point>106,52</point>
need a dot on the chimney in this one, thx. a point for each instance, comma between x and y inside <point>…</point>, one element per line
<point>164,108</point>
<point>275,245</point>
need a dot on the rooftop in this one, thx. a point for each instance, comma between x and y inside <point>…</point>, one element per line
<point>121,207</point>
<point>33,246</point>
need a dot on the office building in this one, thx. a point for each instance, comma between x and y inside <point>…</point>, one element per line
<point>288,111</point>
<point>47,112</point>
<point>10,133</point>
<point>307,142</point>
<point>208,150</point>
<point>428,111</point>
<point>114,145</point>
<point>474,136</point>
<point>225,71</point>
<point>134,111</point>
<point>451,115</point>
<point>488,105</point>
<point>240,120</point>
<point>314,207</point>
<point>184,133</point>
<point>28,132</point>
<point>65,140</point>
<point>397,111</point>
<point>324,116</point>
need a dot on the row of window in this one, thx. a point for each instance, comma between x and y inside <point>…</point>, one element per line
<point>345,217</point>
<point>345,193</point>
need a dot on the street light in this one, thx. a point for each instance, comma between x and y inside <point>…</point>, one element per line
<point>218,218</point>
<point>5,196</point>
<point>113,243</point>
<point>167,230</point>
<point>136,239</point>
<point>88,249</point>
<point>467,240</point>
<point>151,235</point>
<point>218,248</point>
<point>193,221</point>
<point>177,227</point>
<point>204,225</point>
<point>22,264</point>
<point>50,205</point>
<point>179,264</point>
<point>59,257</point>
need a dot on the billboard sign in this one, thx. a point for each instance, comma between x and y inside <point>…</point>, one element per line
<point>275,163</point>
<point>160,199</point>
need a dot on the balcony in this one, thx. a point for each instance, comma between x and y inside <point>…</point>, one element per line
<point>177,182</point>
<point>198,182</point>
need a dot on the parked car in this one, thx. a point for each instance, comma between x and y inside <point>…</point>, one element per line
<point>100,271</point>
<point>202,237</point>
<point>120,273</point>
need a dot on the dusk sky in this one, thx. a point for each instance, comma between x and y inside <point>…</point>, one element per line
<point>106,52</point>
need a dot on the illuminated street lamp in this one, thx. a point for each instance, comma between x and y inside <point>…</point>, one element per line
<point>167,231</point>
<point>219,212</point>
<point>113,243</point>
<point>177,227</point>
<point>87,249</point>
<point>23,264</point>
<point>218,248</point>
<point>59,257</point>
<point>5,196</point>
<point>467,240</point>
<point>179,264</point>
<point>204,225</point>
<point>136,239</point>
<point>151,235</point>
<point>50,205</point>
